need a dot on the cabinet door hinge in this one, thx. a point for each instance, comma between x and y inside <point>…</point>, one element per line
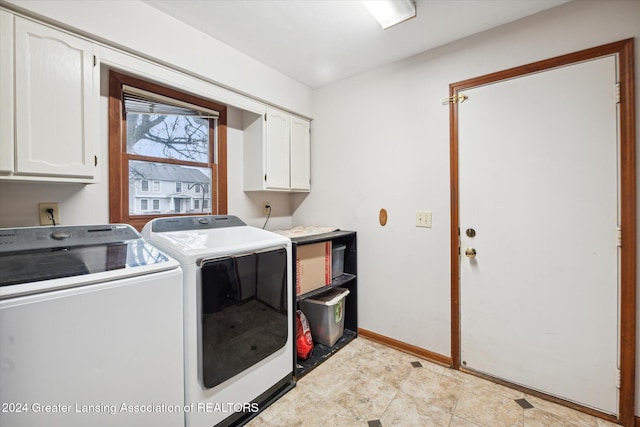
<point>618,378</point>
<point>619,237</point>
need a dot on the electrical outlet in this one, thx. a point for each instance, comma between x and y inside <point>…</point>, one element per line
<point>423,219</point>
<point>45,217</point>
<point>266,208</point>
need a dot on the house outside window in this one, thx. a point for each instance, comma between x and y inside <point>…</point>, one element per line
<point>170,202</point>
<point>164,139</point>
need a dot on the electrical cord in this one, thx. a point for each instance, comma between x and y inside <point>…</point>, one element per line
<point>50,215</point>
<point>268,216</point>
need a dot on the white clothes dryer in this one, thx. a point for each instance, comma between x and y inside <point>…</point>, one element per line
<point>237,314</point>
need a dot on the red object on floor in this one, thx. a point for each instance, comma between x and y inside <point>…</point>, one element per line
<point>304,341</point>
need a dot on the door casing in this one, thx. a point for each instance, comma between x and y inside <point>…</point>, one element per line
<point>624,51</point>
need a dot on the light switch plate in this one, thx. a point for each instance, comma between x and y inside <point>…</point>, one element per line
<point>423,219</point>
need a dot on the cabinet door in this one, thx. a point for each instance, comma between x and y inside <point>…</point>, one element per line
<point>277,150</point>
<point>300,155</point>
<point>54,102</point>
<point>6,92</point>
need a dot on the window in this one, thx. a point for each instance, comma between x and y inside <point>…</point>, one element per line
<point>160,138</point>
<point>196,204</point>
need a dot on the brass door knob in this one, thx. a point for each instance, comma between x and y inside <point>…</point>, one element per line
<point>470,252</point>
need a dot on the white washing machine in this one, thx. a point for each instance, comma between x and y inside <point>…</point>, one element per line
<point>90,329</point>
<point>238,314</point>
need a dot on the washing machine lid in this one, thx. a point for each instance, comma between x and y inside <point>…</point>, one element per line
<point>39,259</point>
<point>191,238</point>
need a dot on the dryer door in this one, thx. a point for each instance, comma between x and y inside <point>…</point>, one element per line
<point>244,312</point>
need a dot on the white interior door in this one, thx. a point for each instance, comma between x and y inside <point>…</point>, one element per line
<point>538,183</point>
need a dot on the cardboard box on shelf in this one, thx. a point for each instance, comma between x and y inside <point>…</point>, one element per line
<point>313,267</point>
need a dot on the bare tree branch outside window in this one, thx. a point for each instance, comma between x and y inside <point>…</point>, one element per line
<point>171,137</point>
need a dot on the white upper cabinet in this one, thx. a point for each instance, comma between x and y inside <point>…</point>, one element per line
<point>277,150</point>
<point>300,153</point>
<point>277,153</point>
<point>6,94</point>
<point>55,131</point>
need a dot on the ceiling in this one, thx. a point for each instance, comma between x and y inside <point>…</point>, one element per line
<point>317,42</point>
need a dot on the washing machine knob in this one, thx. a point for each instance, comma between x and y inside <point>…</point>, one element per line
<point>61,235</point>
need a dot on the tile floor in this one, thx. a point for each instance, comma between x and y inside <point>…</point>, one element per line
<point>370,385</point>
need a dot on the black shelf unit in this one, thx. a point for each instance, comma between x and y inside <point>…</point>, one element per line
<point>349,280</point>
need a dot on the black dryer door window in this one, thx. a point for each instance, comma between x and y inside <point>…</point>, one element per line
<point>244,312</point>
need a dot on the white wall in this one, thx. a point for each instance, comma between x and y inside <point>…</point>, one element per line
<point>385,136</point>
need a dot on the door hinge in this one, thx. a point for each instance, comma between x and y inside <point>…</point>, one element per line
<point>95,160</point>
<point>619,237</point>
<point>95,60</point>
<point>265,117</point>
<point>618,378</point>
<point>265,177</point>
<point>454,99</point>
<point>617,92</point>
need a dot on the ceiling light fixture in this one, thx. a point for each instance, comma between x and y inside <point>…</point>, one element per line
<point>391,12</point>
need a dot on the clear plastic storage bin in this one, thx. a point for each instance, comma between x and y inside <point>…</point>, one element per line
<point>325,314</point>
<point>337,260</point>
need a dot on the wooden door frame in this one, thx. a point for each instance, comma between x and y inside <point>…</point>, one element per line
<point>624,50</point>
